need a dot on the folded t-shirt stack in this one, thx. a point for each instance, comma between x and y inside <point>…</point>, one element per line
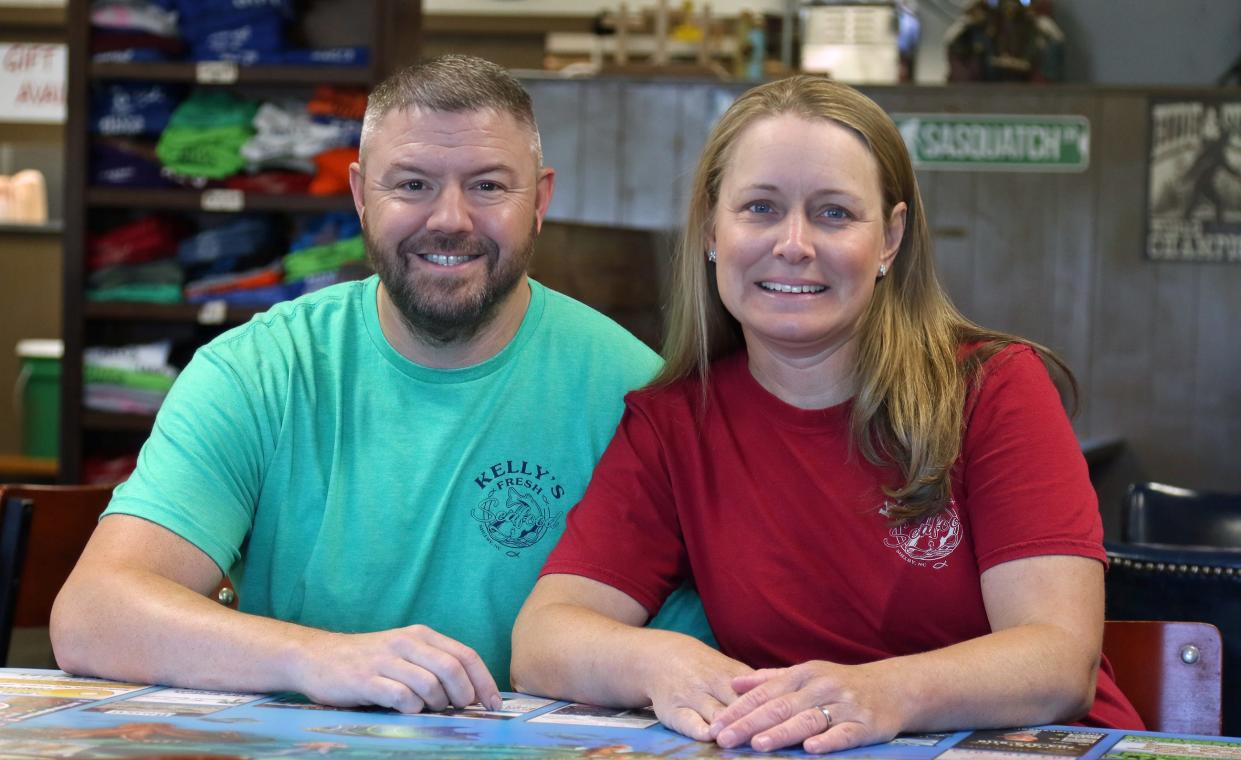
<point>131,109</point>
<point>322,251</point>
<point>136,262</point>
<point>205,134</point>
<point>135,30</point>
<point>126,119</point>
<point>240,242</point>
<point>127,379</point>
<point>288,137</point>
<point>245,31</point>
<point>327,251</point>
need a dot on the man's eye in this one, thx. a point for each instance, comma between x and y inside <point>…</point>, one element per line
<point>413,184</point>
<point>488,187</point>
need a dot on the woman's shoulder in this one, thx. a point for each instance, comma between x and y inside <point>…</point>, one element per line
<point>1007,369</point>
<point>686,394</point>
<point>989,360</point>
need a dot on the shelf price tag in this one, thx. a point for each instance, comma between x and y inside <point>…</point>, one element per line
<point>222,199</point>
<point>212,312</point>
<point>216,72</point>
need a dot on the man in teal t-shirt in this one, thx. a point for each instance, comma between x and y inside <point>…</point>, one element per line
<point>381,466</point>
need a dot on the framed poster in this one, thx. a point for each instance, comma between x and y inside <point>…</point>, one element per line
<point>1193,187</point>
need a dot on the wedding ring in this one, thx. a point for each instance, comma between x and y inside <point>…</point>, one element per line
<point>827,715</point>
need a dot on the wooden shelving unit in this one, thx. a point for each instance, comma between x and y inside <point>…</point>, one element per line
<point>120,311</point>
<point>391,33</point>
<point>217,73</point>
<point>202,200</point>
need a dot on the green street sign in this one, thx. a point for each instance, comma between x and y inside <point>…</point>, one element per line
<point>1016,143</point>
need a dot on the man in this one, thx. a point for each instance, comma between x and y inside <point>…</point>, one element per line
<point>382,466</point>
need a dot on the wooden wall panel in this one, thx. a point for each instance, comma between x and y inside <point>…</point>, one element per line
<point>1173,375</point>
<point>557,109</point>
<point>949,201</point>
<point>1217,409</point>
<point>610,269</point>
<point>599,152</point>
<point>1119,383</point>
<point>652,163</point>
<point>1073,258</point>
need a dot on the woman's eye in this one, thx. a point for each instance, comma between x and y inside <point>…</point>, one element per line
<point>836,212</point>
<point>759,207</point>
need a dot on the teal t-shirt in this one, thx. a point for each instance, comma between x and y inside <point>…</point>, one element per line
<point>346,488</point>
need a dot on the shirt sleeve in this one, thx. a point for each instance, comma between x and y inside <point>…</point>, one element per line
<point>200,472</point>
<point>1023,475</point>
<point>625,531</point>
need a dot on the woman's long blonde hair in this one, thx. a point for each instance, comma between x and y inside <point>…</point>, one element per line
<point>911,383</point>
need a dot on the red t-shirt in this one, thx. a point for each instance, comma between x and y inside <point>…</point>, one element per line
<point>779,523</point>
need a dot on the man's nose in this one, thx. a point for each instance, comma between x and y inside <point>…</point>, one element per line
<point>451,213</point>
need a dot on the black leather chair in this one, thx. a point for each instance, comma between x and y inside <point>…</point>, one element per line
<point>14,535</point>
<point>1155,582</point>
<point>1154,513</point>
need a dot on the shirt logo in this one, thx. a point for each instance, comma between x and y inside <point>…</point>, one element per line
<point>928,541</point>
<point>516,510</point>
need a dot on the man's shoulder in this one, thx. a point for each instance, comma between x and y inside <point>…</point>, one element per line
<point>586,344</point>
<point>571,319</point>
<point>319,314</point>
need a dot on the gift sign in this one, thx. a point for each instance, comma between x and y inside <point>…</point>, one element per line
<point>32,82</point>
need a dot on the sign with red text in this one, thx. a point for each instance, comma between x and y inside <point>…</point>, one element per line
<point>33,82</point>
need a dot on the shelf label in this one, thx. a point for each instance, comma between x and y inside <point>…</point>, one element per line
<point>216,72</point>
<point>213,313</point>
<point>223,199</point>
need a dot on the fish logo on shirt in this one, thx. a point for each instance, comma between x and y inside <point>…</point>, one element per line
<point>929,540</point>
<point>516,511</point>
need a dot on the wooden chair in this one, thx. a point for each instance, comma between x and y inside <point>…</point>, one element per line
<point>14,531</point>
<point>59,522</point>
<point>1173,583</point>
<point>46,544</point>
<point>1170,671</point>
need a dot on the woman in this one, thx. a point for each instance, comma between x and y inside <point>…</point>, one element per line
<point>882,504</point>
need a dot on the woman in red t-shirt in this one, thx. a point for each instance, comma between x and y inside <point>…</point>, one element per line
<point>882,504</point>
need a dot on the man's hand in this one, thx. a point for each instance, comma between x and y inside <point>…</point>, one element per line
<point>406,669</point>
<point>694,686</point>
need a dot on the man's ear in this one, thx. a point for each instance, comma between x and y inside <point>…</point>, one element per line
<point>544,187</point>
<point>356,187</point>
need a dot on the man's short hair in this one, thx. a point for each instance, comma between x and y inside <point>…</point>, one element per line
<point>453,84</point>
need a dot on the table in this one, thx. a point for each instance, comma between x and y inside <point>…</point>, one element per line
<point>46,713</point>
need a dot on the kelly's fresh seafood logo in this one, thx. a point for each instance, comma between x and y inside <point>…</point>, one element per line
<point>516,510</point>
<point>928,541</point>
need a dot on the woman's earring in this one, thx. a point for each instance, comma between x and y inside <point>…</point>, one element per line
<point>711,255</point>
<point>883,270</point>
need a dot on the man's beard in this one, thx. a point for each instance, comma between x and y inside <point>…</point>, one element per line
<point>444,310</point>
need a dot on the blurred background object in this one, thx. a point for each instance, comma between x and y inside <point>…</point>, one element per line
<point>1006,41</point>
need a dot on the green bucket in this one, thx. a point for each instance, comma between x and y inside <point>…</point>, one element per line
<point>38,394</point>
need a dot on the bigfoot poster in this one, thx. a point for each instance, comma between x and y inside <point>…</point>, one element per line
<point>1194,185</point>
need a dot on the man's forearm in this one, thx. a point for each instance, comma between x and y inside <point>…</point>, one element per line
<point>139,626</point>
